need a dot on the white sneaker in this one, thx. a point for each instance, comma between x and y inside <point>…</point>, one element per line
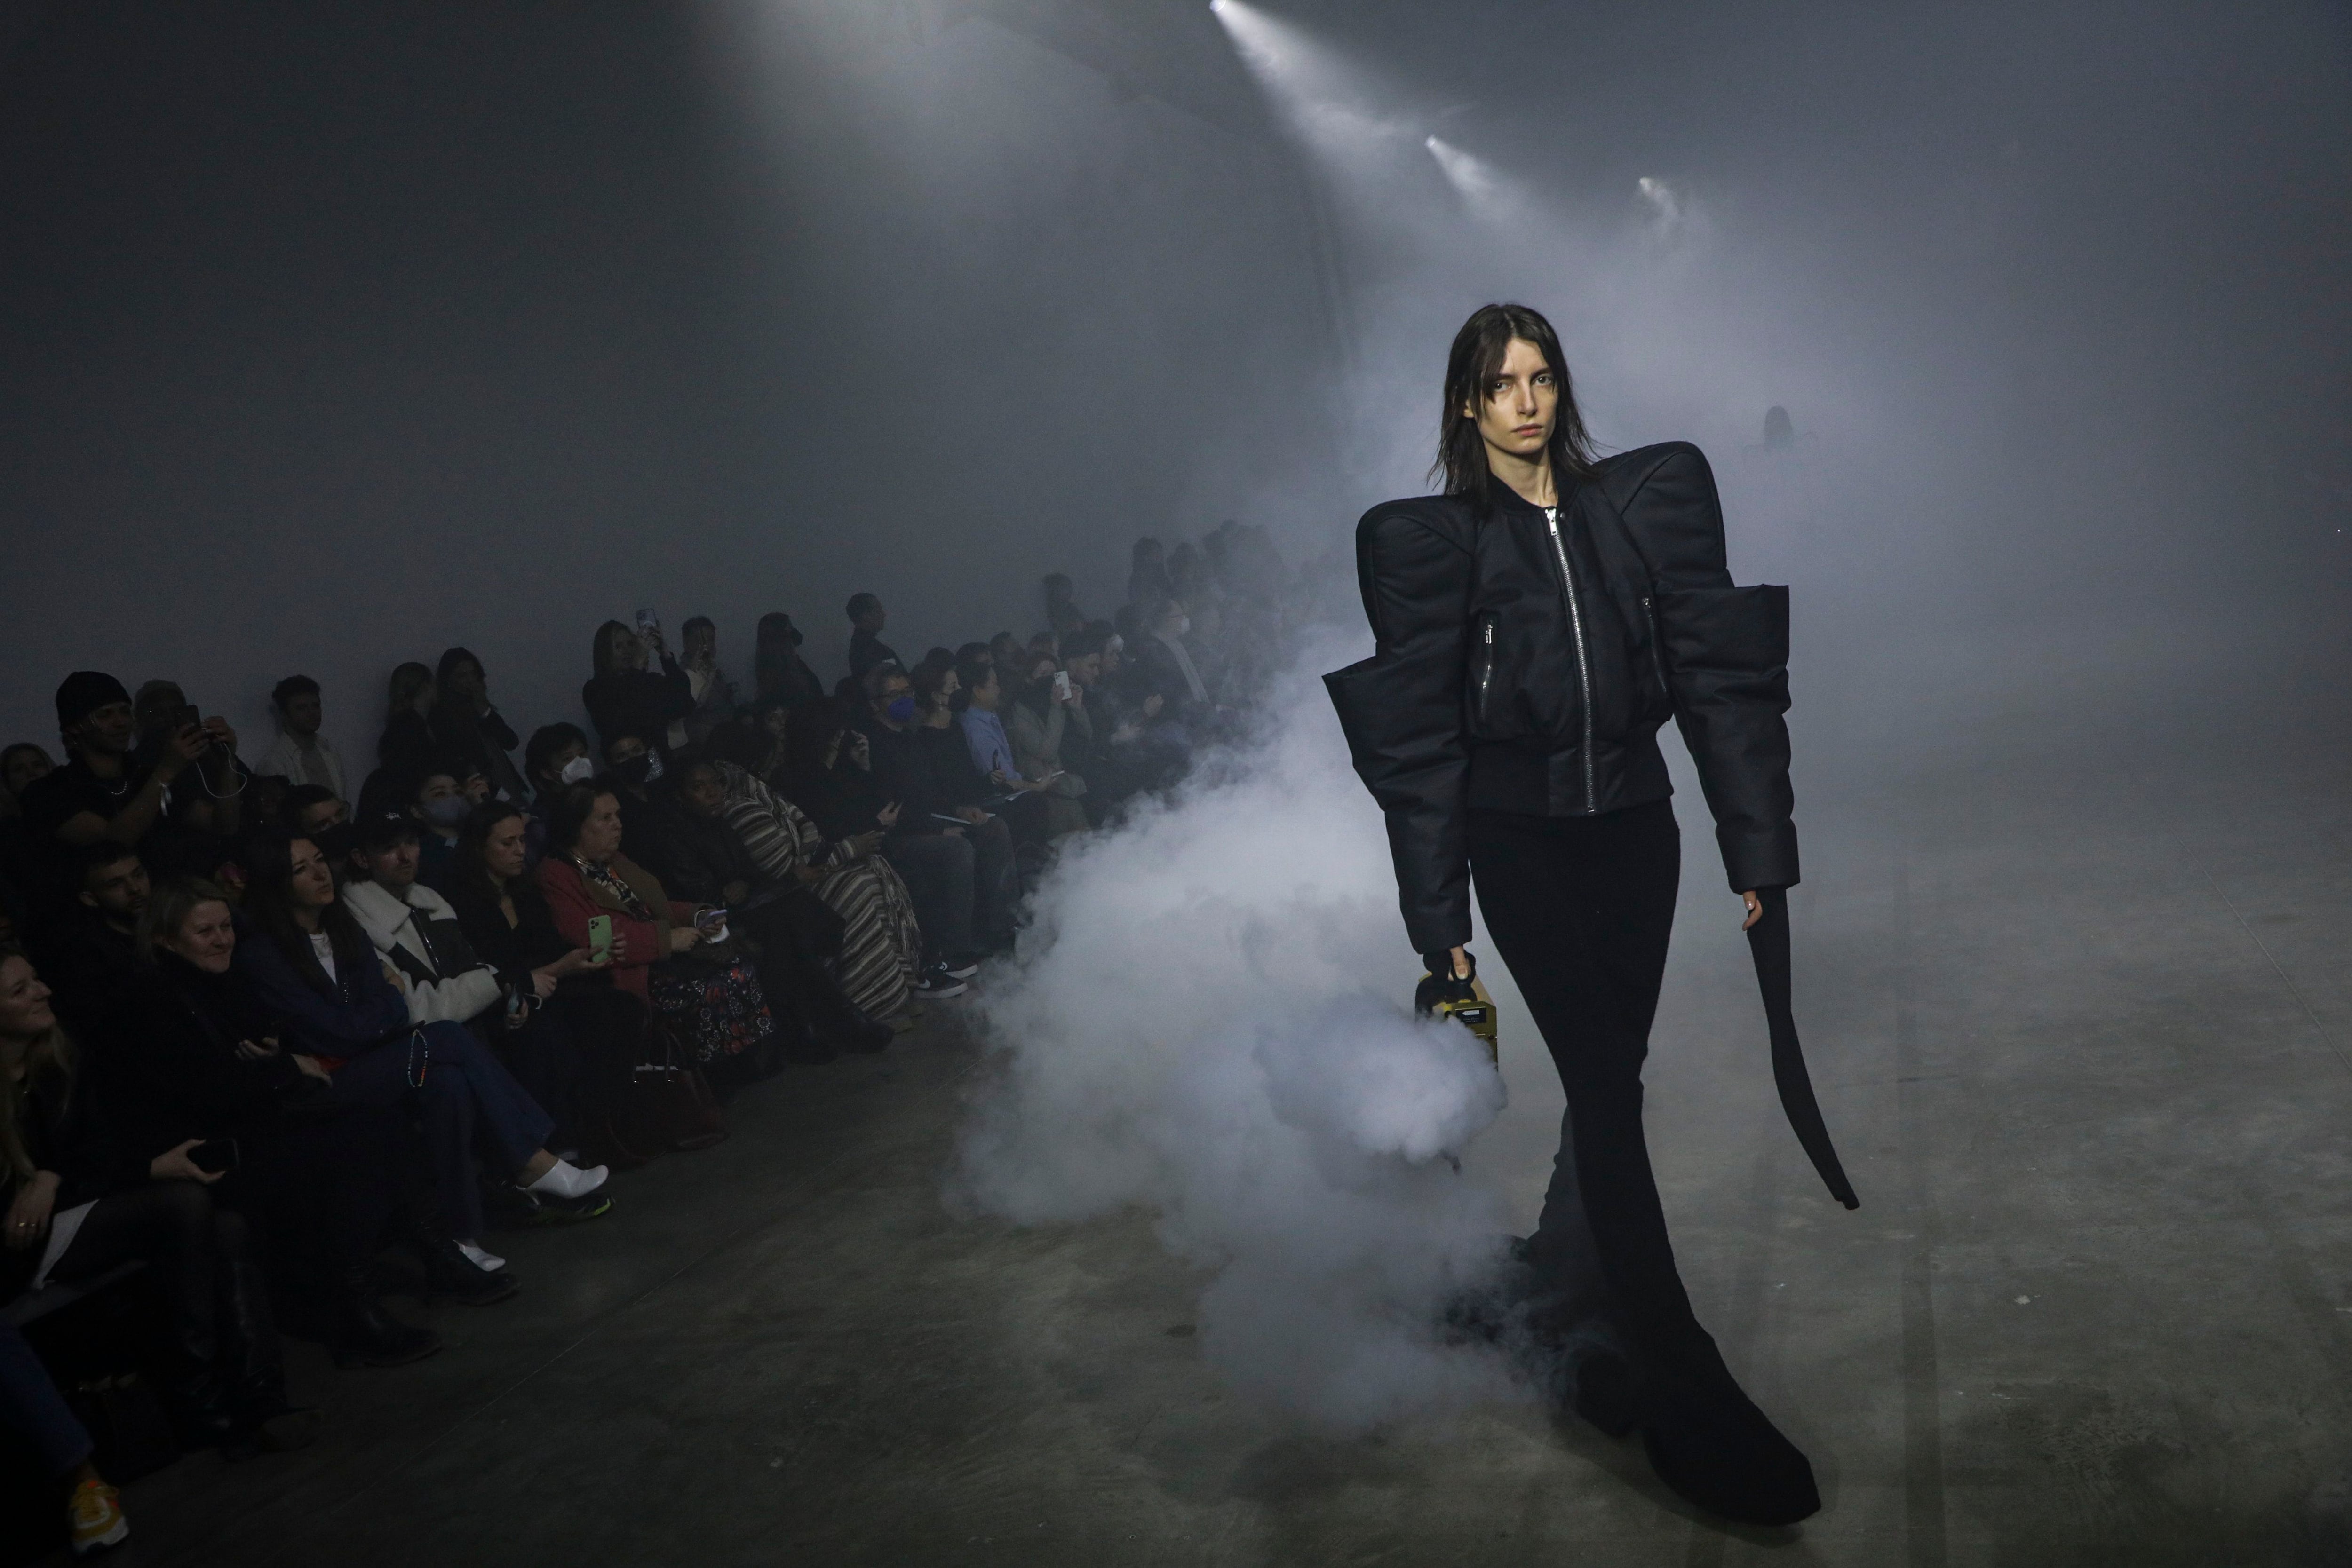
<point>564,1179</point>
<point>488,1263</point>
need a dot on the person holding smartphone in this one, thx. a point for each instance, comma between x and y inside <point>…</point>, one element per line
<point>625,697</point>
<point>105,790</point>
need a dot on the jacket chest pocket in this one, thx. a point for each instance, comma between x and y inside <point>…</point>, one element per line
<point>1480,673</point>
<point>1651,663</point>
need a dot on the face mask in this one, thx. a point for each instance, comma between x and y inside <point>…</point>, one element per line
<point>447,813</point>
<point>900,710</point>
<point>579,770</point>
<point>637,770</point>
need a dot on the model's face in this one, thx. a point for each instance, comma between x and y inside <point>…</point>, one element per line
<point>206,938</point>
<point>503,850</point>
<point>118,892</point>
<point>24,1002</point>
<point>312,886</point>
<point>1521,404</point>
<point>599,835</point>
<point>304,713</point>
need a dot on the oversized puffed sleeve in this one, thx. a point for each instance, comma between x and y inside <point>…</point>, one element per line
<point>1402,709</point>
<point>1727,654</point>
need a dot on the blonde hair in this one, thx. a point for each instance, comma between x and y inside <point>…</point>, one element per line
<point>168,908</point>
<point>52,1054</point>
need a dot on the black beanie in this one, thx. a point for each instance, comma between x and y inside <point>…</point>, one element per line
<point>83,693</point>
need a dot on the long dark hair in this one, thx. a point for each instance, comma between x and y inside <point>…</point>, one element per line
<point>269,905</point>
<point>1474,362</point>
<point>468,867</point>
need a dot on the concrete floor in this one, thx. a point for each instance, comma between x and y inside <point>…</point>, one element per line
<point>2083,1041</point>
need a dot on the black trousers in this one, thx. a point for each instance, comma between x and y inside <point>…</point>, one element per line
<point>1580,908</point>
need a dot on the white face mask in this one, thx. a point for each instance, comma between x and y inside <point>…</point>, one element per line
<point>576,771</point>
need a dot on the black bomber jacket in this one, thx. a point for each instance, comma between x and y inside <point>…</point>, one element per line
<point>1525,665</point>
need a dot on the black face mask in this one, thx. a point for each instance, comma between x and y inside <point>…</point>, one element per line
<point>637,770</point>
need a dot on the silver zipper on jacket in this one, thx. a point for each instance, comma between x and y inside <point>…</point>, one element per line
<point>1583,664</point>
<point>1486,670</point>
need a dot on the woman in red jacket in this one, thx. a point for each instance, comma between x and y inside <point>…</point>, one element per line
<point>717,1005</point>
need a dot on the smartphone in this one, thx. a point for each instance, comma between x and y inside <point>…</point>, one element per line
<point>1062,684</point>
<point>600,938</point>
<point>215,1155</point>
<point>647,622</point>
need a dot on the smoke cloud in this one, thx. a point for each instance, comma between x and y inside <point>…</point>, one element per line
<point>1208,1020</point>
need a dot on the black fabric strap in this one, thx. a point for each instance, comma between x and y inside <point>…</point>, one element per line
<point>1768,943</point>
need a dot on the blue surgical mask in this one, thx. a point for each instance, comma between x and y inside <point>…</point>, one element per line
<point>900,709</point>
<point>449,812</point>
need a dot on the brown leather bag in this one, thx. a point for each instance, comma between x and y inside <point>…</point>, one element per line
<point>667,1106</point>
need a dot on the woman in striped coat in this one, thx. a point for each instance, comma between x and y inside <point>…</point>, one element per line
<point>881,946</point>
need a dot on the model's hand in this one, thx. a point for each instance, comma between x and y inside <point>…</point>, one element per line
<point>1755,910</point>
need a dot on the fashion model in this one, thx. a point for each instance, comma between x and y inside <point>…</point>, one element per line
<point>1536,624</point>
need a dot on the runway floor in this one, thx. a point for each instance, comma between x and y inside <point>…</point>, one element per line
<point>2085,1038</point>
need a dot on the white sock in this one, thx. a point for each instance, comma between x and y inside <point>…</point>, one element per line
<point>564,1179</point>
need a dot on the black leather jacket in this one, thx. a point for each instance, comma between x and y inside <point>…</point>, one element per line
<point>1526,667</point>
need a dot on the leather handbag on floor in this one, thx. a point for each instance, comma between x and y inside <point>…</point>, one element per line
<point>667,1106</point>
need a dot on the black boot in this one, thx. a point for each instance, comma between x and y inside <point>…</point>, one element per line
<point>449,1272</point>
<point>1708,1441</point>
<point>367,1335</point>
<point>249,1351</point>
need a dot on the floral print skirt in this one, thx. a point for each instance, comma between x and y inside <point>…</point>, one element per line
<point>716,1012</point>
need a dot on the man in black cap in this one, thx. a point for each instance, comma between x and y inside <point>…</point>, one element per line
<point>102,792</point>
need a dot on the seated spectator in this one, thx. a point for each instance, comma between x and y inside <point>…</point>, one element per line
<point>195,1060</point>
<point>714,694</point>
<point>308,809</point>
<point>881,946</point>
<point>31,1407</point>
<point>78,1206</point>
<point>956,860</point>
<point>406,747</point>
<point>417,932</point>
<point>799,936</point>
<point>445,796</point>
<point>1147,578</point>
<point>103,792</point>
<point>20,765</point>
<point>783,676</point>
<point>301,755</point>
<point>830,775</point>
<point>626,696</point>
<point>557,756</point>
<point>632,769</point>
<point>1165,668</point>
<point>314,971</point>
<point>1052,734</point>
<point>716,1005</point>
<point>762,737</point>
<point>1044,804</point>
<point>506,919</point>
<point>203,820</point>
<point>1004,651</point>
<point>867,649</point>
<point>91,953</point>
<point>467,730</point>
<point>1107,748</point>
<point>1062,615</point>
